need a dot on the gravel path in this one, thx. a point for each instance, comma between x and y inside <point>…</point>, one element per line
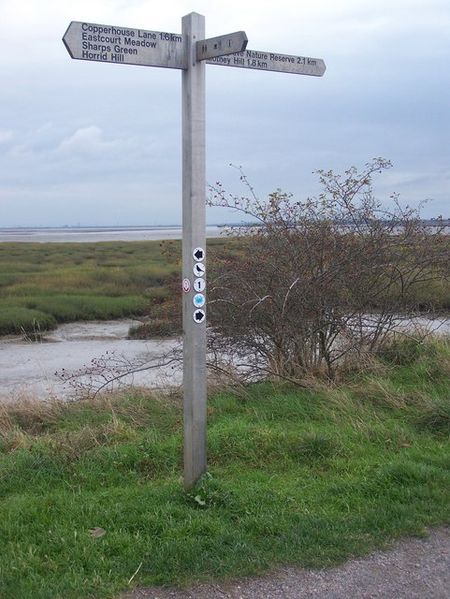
<point>411,569</point>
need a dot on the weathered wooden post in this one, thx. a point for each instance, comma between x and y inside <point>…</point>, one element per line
<point>194,241</point>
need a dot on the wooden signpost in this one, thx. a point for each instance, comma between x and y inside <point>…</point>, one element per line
<point>190,52</point>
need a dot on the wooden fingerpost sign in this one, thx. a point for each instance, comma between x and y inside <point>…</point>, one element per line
<point>189,52</point>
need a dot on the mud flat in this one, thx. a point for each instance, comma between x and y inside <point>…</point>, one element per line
<point>29,368</point>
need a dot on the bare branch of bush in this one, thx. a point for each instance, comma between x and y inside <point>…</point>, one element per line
<point>112,371</point>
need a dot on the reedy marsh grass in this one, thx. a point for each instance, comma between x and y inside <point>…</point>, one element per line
<point>45,284</point>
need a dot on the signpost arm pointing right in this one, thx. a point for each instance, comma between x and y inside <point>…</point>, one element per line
<point>221,45</point>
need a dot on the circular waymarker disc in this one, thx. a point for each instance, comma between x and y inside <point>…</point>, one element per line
<point>199,269</point>
<point>199,284</point>
<point>199,316</point>
<point>186,285</point>
<point>199,254</point>
<point>199,300</point>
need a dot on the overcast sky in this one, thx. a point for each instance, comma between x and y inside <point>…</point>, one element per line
<point>100,144</point>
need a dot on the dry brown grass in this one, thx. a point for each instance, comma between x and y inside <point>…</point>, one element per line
<point>72,428</point>
<point>31,415</point>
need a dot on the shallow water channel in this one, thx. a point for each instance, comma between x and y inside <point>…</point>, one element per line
<point>28,369</point>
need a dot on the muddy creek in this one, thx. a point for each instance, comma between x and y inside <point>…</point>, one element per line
<point>28,369</point>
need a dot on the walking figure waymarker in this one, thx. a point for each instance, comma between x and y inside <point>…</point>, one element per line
<point>189,52</point>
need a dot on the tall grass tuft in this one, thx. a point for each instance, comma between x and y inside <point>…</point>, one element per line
<point>436,418</point>
<point>17,320</point>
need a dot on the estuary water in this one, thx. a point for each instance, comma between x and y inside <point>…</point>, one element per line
<point>95,234</point>
<point>30,369</point>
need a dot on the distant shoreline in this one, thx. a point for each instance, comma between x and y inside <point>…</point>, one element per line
<point>86,234</point>
<point>94,234</point>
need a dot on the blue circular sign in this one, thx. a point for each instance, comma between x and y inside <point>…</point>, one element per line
<point>199,300</point>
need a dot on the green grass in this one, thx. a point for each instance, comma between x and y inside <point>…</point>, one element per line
<point>306,477</point>
<point>69,308</point>
<point>23,320</point>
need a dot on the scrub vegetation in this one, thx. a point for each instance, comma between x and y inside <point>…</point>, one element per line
<point>325,281</point>
<point>42,285</point>
<point>91,500</point>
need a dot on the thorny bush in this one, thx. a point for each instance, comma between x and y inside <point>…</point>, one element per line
<point>319,282</point>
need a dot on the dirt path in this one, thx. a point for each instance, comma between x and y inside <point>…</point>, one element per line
<point>411,569</point>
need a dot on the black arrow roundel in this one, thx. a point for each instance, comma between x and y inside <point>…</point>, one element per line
<point>199,316</point>
<point>199,254</point>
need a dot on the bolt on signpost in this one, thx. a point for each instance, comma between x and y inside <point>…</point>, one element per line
<point>188,52</point>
